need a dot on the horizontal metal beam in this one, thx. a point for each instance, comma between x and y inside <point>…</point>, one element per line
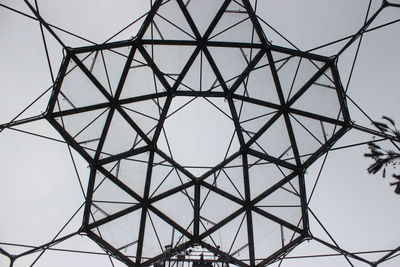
<point>123,155</point>
<point>272,159</point>
<point>199,93</point>
<point>137,42</point>
<point>22,121</point>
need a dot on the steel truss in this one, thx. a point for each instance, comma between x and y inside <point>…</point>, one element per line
<point>108,101</point>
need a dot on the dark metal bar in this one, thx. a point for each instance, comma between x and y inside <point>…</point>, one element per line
<point>176,165</point>
<point>171,222</point>
<point>256,23</point>
<point>5,253</point>
<point>220,166</point>
<point>305,87</point>
<point>89,197</point>
<point>57,86</point>
<point>373,132</point>
<point>281,251</point>
<point>189,19</point>
<point>45,45</point>
<point>215,20</point>
<point>142,98</point>
<point>222,193</point>
<point>304,202</point>
<point>340,92</point>
<point>110,249</point>
<point>316,116</point>
<point>79,110</point>
<point>22,121</point>
<point>133,124</point>
<point>330,236</point>
<point>386,257</point>
<point>44,23</point>
<point>159,74</point>
<point>69,139</point>
<point>199,93</point>
<point>127,154</point>
<point>361,31</point>
<point>143,218</point>
<point>325,147</point>
<point>222,223</point>
<point>186,68</point>
<point>91,77</point>
<point>274,187</point>
<point>149,19</point>
<point>247,71</point>
<point>124,73</point>
<point>166,256</point>
<point>112,217</point>
<point>249,217</point>
<point>272,159</point>
<point>279,220</point>
<point>256,101</point>
<point>340,250</point>
<point>172,191</point>
<point>225,256</point>
<point>196,210</point>
<point>49,244</point>
<point>119,183</point>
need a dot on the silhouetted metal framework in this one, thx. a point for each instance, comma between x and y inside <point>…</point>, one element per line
<point>104,109</point>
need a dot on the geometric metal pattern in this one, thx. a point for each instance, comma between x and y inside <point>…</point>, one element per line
<point>198,133</point>
<point>122,124</point>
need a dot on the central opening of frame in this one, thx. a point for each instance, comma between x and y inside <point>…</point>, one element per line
<point>199,133</point>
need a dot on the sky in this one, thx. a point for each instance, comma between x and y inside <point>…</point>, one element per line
<point>39,189</point>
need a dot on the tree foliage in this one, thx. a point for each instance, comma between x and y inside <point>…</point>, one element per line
<point>385,157</point>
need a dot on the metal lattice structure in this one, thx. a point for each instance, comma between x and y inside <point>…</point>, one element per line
<point>198,133</point>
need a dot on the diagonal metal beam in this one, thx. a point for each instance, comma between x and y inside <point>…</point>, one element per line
<point>57,86</point>
<point>189,19</point>
<point>44,23</point>
<point>169,192</point>
<point>256,23</point>
<point>247,70</point>
<point>282,251</point>
<point>110,249</point>
<point>149,18</point>
<point>222,193</point>
<point>216,18</point>
<point>112,217</point>
<point>171,222</point>
<point>225,256</point>
<point>272,159</point>
<point>222,223</point>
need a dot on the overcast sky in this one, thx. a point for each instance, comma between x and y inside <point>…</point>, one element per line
<point>39,190</point>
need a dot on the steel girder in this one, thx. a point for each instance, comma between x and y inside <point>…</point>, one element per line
<point>109,102</point>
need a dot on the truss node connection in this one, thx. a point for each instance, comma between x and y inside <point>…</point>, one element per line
<point>220,111</point>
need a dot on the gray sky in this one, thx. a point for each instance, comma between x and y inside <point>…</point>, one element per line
<point>39,190</point>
